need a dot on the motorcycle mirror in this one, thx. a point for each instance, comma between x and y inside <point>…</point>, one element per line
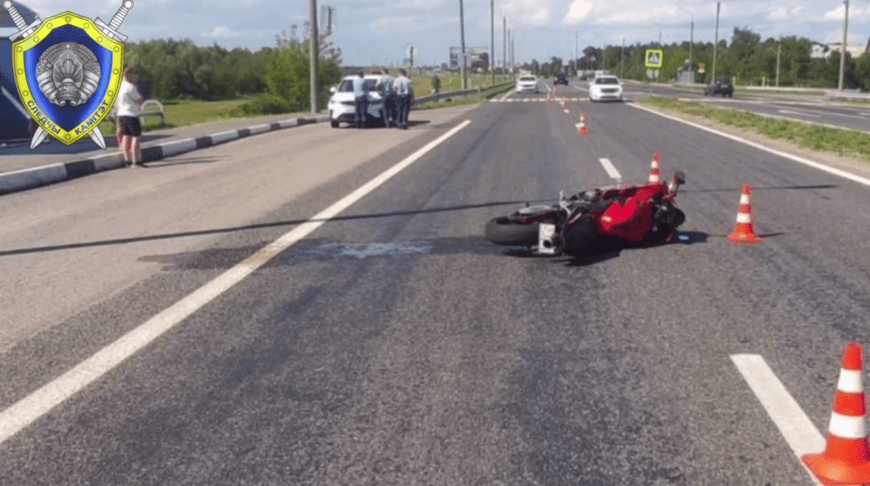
<point>679,177</point>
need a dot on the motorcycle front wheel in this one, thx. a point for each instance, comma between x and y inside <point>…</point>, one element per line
<point>510,232</point>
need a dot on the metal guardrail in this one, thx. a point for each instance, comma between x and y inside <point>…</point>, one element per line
<point>149,108</point>
<point>458,94</point>
<point>847,94</point>
<point>156,110</point>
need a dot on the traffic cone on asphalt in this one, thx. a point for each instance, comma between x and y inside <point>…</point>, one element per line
<point>654,169</point>
<point>846,459</point>
<point>581,126</point>
<point>744,232</point>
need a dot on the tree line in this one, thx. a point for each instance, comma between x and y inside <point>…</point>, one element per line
<point>747,59</point>
<point>169,69</point>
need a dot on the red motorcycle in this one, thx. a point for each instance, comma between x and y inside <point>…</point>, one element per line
<point>632,214</point>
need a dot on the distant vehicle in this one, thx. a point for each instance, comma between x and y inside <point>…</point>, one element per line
<point>605,88</point>
<point>527,83</point>
<point>341,104</point>
<point>721,87</point>
<point>560,78</point>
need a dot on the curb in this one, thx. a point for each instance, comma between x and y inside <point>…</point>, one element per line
<point>21,180</point>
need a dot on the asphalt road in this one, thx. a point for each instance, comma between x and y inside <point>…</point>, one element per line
<point>796,107</point>
<point>395,345</point>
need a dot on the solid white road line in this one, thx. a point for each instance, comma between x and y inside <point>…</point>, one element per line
<point>799,113</point>
<point>41,401</point>
<point>794,425</point>
<point>506,95</point>
<point>801,160</point>
<point>611,170</point>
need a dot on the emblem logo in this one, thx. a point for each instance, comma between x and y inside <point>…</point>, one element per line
<point>68,72</point>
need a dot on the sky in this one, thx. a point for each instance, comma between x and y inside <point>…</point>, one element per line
<point>378,32</point>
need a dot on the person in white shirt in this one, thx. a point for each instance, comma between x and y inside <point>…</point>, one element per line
<point>385,84</point>
<point>404,97</point>
<point>129,108</point>
<point>360,100</point>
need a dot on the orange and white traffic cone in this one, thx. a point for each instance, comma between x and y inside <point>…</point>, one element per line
<point>654,169</point>
<point>846,459</point>
<point>581,126</point>
<point>744,232</point>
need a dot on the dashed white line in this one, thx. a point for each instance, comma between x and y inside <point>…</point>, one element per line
<point>794,425</point>
<point>41,401</point>
<point>611,170</point>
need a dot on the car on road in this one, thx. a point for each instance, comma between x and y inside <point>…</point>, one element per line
<point>721,87</point>
<point>527,84</point>
<point>605,87</point>
<point>341,103</point>
<point>560,78</point>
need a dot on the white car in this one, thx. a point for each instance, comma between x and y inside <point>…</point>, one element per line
<point>527,84</point>
<point>605,88</point>
<point>341,103</point>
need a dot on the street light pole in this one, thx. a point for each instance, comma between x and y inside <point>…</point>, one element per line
<point>504,51</point>
<point>778,49</point>
<point>314,52</point>
<point>845,43</point>
<point>492,41</point>
<point>462,45</point>
<point>715,44</point>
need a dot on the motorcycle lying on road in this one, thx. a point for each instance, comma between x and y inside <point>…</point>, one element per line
<point>627,214</point>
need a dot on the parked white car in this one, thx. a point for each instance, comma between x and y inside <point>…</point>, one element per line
<point>341,103</point>
<point>527,84</point>
<point>605,88</point>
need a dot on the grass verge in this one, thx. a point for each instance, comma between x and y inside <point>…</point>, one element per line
<point>185,113</point>
<point>813,137</point>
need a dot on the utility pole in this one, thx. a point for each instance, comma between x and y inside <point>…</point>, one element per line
<point>492,41</point>
<point>462,38</point>
<point>504,34</point>
<point>715,45</point>
<point>576,54</point>
<point>692,44</point>
<point>509,40</point>
<point>845,43</point>
<point>314,54</point>
<point>778,49</point>
<point>622,60</point>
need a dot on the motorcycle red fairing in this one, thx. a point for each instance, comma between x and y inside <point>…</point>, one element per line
<point>630,217</point>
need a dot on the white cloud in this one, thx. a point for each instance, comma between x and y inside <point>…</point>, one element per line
<point>580,10</point>
<point>856,14</point>
<point>794,14</point>
<point>220,32</point>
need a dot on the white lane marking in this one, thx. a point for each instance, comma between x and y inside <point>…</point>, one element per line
<point>801,160</point>
<point>798,113</point>
<point>794,425</point>
<point>41,401</point>
<point>510,92</point>
<point>864,114</point>
<point>611,170</point>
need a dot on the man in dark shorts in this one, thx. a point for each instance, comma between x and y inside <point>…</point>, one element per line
<point>129,106</point>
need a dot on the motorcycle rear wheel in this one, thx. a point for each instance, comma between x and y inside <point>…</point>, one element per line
<point>509,232</point>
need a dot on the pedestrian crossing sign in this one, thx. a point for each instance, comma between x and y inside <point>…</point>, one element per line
<point>654,58</point>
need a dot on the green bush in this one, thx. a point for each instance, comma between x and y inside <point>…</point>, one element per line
<point>265,104</point>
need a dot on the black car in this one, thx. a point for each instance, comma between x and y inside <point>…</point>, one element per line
<point>561,78</point>
<point>722,87</point>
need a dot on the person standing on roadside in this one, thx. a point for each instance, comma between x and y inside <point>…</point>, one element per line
<point>129,106</point>
<point>360,100</point>
<point>404,98</point>
<point>385,85</point>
